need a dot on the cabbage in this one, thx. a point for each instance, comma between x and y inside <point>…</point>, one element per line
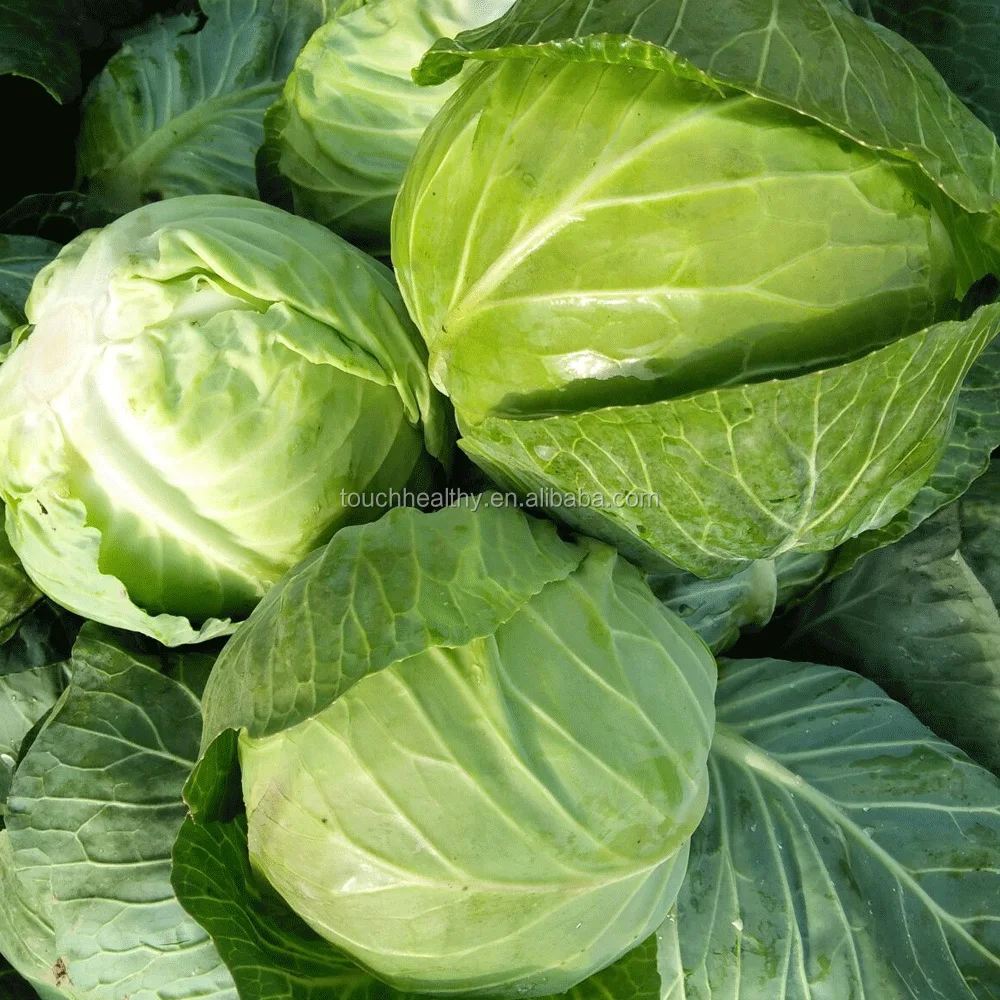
<point>722,289</point>
<point>199,384</point>
<point>472,754</point>
<point>340,137</point>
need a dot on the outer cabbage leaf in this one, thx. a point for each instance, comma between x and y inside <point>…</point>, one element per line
<point>17,593</point>
<point>179,110</point>
<point>799,574</point>
<point>960,37</point>
<point>59,217</point>
<point>979,519</point>
<point>719,504</point>
<point>42,636</point>
<point>25,697</point>
<point>214,327</point>
<point>875,87</point>
<point>846,851</point>
<point>343,132</point>
<point>26,937</point>
<point>916,618</point>
<point>975,434</point>
<point>40,41</point>
<point>718,610</point>
<point>92,816</point>
<point>374,595</point>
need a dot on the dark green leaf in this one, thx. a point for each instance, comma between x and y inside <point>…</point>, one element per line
<point>846,852</point>
<point>21,258</point>
<point>180,108</point>
<point>979,519</point>
<point>634,977</point>
<point>960,37</point>
<point>92,816</point>
<point>40,41</point>
<point>213,792</point>
<point>270,952</point>
<point>718,610</point>
<point>25,698</point>
<point>40,637</point>
<point>59,217</point>
<point>914,618</point>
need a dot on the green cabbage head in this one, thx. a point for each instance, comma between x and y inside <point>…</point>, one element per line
<point>339,139</point>
<point>647,260</point>
<point>472,754</point>
<point>198,385</point>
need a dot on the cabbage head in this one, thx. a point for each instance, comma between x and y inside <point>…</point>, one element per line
<point>727,304</point>
<point>339,139</point>
<point>473,754</point>
<point>197,386</point>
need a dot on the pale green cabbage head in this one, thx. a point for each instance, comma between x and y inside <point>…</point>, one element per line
<point>671,240</point>
<point>643,268</point>
<point>473,754</point>
<point>339,139</point>
<point>198,384</point>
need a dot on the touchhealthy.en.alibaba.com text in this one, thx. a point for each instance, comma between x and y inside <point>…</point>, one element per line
<point>544,499</point>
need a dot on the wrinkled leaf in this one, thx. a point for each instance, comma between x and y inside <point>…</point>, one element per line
<point>321,378</point>
<point>975,434</point>
<point>92,816</point>
<point>719,504</point>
